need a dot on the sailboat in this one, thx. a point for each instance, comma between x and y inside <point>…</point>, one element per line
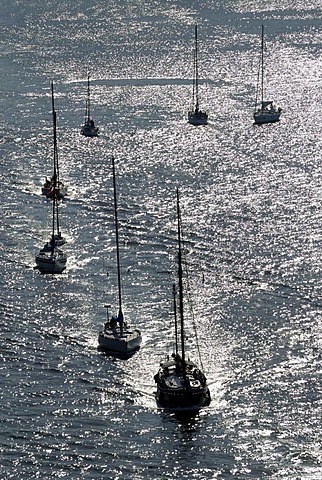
<point>181,384</point>
<point>117,338</point>
<point>89,129</point>
<point>195,115</point>
<point>48,187</point>
<point>51,259</point>
<point>54,185</point>
<point>265,110</point>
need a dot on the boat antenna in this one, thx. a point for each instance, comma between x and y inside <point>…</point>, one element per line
<point>180,274</point>
<point>120,315</point>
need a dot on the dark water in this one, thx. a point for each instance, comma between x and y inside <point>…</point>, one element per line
<point>251,207</point>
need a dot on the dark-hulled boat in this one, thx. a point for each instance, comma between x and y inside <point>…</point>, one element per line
<point>181,384</point>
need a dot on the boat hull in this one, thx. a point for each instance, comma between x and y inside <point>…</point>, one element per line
<point>181,387</point>
<point>61,191</point>
<point>51,262</point>
<point>267,112</point>
<point>183,399</point>
<point>113,343</point>
<point>198,118</point>
<point>89,131</point>
<point>266,117</point>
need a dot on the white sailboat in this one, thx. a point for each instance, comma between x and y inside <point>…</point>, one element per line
<point>265,110</point>
<point>117,338</point>
<point>195,115</point>
<point>89,129</point>
<point>54,184</point>
<point>51,259</point>
<point>181,384</point>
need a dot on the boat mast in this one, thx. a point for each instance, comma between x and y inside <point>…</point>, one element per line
<point>55,211</point>
<point>120,315</point>
<point>175,317</point>
<point>262,64</point>
<point>56,186</point>
<point>56,175</point>
<point>180,275</point>
<point>88,100</point>
<point>56,168</point>
<point>196,67</point>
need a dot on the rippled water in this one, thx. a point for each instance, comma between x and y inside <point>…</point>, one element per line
<point>251,211</point>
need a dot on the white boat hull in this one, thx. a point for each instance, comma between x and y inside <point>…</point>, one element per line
<point>198,118</point>
<point>51,262</point>
<point>112,342</point>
